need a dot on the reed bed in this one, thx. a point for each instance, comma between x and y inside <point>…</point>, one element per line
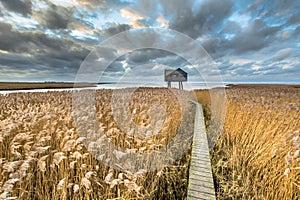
<point>257,155</point>
<point>42,156</point>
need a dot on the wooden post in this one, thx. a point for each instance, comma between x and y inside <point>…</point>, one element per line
<point>169,84</point>
<point>180,85</point>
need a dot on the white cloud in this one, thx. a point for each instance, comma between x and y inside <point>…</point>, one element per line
<point>65,3</point>
<point>189,66</point>
<point>83,34</point>
<point>240,61</point>
<point>256,67</point>
<point>19,21</point>
<point>159,67</point>
<point>164,23</point>
<point>133,16</point>
<point>241,19</point>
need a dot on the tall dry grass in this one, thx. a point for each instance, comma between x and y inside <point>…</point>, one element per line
<point>257,156</point>
<point>42,156</point>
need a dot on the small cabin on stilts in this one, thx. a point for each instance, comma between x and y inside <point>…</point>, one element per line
<point>177,75</point>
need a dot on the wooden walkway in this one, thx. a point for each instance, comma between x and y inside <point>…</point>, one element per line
<point>201,184</point>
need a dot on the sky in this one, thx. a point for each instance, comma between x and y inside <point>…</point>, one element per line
<point>248,41</point>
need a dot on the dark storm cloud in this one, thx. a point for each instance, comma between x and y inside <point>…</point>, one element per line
<point>115,29</point>
<point>187,16</point>
<point>36,43</point>
<point>267,9</point>
<point>250,39</point>
<point>283,13</point>
<point>56,65</point>
<point>19,6</point>
<point>255,37</point>
<point>41,67</point>
<point>18,61</point>
<point>231,27</point>
<point>231,38</point>
<point>196,20</point>
<point>64,54</point>
<point>210,16</point>
<point>56,17</point>
<point>297,32</point>
<point>115,67</point>
<point>146,55</point>
<point>294,19</point>
<point>59,55</point>
<point>43,63</point>
<point>11,40</point>
<point>141,59</point>
<point>216,47</point>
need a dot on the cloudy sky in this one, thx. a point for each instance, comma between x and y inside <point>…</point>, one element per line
<point>249,41</point>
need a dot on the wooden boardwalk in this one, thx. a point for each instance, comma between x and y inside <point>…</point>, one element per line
<point>201,184</point>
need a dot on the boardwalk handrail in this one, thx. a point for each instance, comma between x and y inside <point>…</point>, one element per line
<point>201,184</point>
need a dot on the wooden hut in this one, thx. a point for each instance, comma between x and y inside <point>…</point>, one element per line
<point>177,75</point>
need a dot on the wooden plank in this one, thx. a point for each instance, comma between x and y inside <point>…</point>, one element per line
<point>201,185</point>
